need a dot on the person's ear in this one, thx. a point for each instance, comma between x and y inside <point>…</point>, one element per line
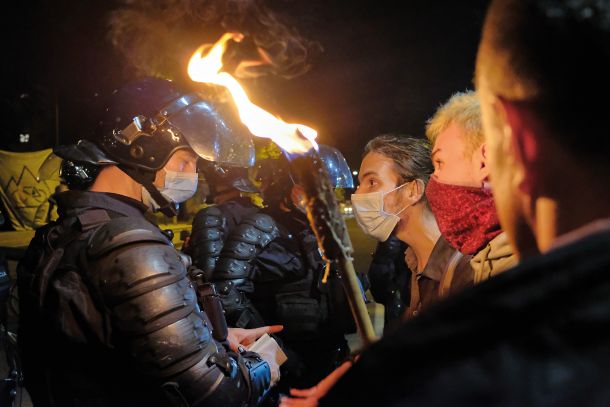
<point>415,191</point>
<point>520,142</point>
<point>479,156</point>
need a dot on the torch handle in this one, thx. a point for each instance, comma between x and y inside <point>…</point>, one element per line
<point>356,301</point>
<point>330,229</point>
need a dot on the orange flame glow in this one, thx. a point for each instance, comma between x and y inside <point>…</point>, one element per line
<point>205,66</point>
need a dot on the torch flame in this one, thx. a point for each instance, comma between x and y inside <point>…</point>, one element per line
<point>205,66</point>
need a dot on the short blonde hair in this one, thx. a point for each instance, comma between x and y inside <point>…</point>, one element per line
<point>464,109</point>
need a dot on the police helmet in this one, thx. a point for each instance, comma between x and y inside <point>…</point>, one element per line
<point>277,179</point>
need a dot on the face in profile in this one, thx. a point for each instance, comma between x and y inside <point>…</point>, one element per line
<point>378,174</point>
<point>506,175</point>
<point>455,163</point>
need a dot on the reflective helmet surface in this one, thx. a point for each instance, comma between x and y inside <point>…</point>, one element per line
<point>84,151</point>
<point>148,120</point>
<point>338,170</point>
<point>78,175</point>
<point>76,165</point>
<point>276,178</point>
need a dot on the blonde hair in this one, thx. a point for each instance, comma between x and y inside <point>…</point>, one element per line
<point>464,109</point>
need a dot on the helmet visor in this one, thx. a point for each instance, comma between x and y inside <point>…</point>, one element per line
<point>336,166</point>
<point>215,133</point>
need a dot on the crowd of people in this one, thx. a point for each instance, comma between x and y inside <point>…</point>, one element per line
<point>492,261</point>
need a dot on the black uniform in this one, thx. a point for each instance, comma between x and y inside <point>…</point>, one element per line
<point>270,272</point>
<point>211,227</point>
<point>108,316</point>
<point>390,280</point>
<point>535,335</point>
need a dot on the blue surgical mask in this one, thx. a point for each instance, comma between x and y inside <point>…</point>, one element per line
<point>179,186</point>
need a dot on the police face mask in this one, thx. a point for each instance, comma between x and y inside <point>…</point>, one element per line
<point>371,216</point>
<point>179,186</point>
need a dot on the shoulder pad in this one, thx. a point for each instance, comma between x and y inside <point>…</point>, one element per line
<point>258,230</point>
<point>208,218</point>
<point>122,231</point>
<point>262,222</point>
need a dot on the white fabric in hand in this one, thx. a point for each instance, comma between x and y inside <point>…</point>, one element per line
<point>270,351</point>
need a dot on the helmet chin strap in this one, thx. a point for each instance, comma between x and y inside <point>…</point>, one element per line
<point>166,207</point>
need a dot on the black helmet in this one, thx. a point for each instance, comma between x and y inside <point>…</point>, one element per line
<point>148,120</point>
<point>77,165</point>
<point>274,177</point>
<point>78,175</point>
<point>277,180</point>
<point>218,176</point>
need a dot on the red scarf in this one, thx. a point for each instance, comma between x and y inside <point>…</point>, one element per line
<point>466,216</point>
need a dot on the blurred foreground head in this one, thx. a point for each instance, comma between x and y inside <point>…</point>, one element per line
<point>542,68</point>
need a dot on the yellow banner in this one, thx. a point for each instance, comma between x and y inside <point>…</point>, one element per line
<point>24,195</point>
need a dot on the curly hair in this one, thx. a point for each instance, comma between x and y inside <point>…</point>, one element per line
<point>464,109</point>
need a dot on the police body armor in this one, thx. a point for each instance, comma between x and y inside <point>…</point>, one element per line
<point>211,227</point>
<point>270,272</point>
<point>109,317</point>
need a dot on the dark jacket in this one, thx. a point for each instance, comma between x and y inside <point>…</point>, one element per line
<point>211,228</point>
<point>446,272</point>
<point>403,293</point>
<point>535,335</point>
<point>109,317</point>
<point>390,279</point>
<point>270,272</point>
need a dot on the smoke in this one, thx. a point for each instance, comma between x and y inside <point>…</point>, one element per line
<point>157,37</point>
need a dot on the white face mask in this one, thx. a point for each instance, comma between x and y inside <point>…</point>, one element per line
<point>179,186</point>
<point>371,217</point>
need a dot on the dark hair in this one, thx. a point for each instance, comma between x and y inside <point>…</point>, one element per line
<point>411,155</point>
<point>553,55</point>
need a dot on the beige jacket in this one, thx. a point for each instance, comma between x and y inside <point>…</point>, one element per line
<point>493,259</point>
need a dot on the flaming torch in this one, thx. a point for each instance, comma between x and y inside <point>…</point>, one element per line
<point>299,142</point>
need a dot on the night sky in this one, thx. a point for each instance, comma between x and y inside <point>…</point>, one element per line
<point>382,69</point>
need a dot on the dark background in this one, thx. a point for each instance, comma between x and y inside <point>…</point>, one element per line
<point>386,66</point>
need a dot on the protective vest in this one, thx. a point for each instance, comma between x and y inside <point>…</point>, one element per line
<point>109,317</point>
<point>270,271</point>
<point>211,227</point>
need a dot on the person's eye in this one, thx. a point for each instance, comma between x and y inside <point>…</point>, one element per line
<point>438,164</point>
<point>372,182</point>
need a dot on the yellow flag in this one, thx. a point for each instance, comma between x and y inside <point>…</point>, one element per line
<point>25,195</point>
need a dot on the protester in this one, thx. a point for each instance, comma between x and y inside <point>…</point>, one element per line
<point>534,335</point>
<point>390,200</point>
<point>459,191</point>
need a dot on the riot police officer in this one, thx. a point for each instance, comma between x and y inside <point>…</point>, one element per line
<point>212,225</point>
<point>270,271</point>
<point>107,313</point>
